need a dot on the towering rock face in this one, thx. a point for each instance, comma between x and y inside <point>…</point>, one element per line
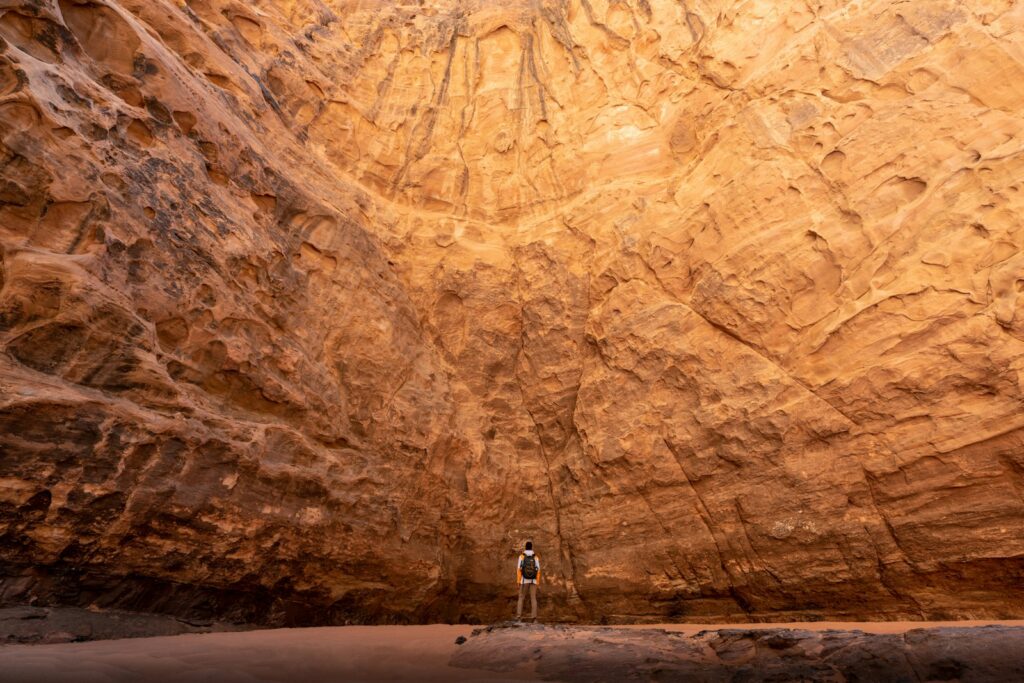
<point>314,310</point>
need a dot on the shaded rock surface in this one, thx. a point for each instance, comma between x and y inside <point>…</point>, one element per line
<point>570,653</point>
<point>48,625</point>
<point>313,311</point>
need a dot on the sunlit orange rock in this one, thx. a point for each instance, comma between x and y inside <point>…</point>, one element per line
<point>314,311</point>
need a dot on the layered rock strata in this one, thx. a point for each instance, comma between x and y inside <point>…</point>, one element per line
<point>313,311</point>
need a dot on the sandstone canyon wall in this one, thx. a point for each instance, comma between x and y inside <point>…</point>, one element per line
<point>313,310</point>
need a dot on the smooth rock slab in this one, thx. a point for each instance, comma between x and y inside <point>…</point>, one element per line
<point>570,653</point>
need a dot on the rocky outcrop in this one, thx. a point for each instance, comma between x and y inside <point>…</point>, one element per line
<point>52,625</point>
<point>313,312</point>
<point>573,653</point>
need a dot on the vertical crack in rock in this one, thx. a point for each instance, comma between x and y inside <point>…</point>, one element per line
<point>702,507</point>
<point>521,362</point>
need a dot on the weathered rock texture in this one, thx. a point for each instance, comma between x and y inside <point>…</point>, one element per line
<point>989,654</point>
<point>49,625</point>
<point>314,310</point>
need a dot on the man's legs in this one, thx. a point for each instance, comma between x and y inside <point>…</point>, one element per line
<point>533,601</point>
<point>519,607</point>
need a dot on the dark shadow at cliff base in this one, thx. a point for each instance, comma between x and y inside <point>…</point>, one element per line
<point>964,591</point>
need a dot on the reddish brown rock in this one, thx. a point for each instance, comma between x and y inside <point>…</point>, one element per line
<point>987,654</point>
<point>314,311</point>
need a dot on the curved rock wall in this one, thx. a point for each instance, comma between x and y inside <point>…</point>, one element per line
<point>313,311</point>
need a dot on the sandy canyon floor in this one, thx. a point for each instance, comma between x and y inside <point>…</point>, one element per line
<point>820,651</point>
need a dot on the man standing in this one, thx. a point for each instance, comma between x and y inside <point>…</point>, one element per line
<point>527,576</point>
